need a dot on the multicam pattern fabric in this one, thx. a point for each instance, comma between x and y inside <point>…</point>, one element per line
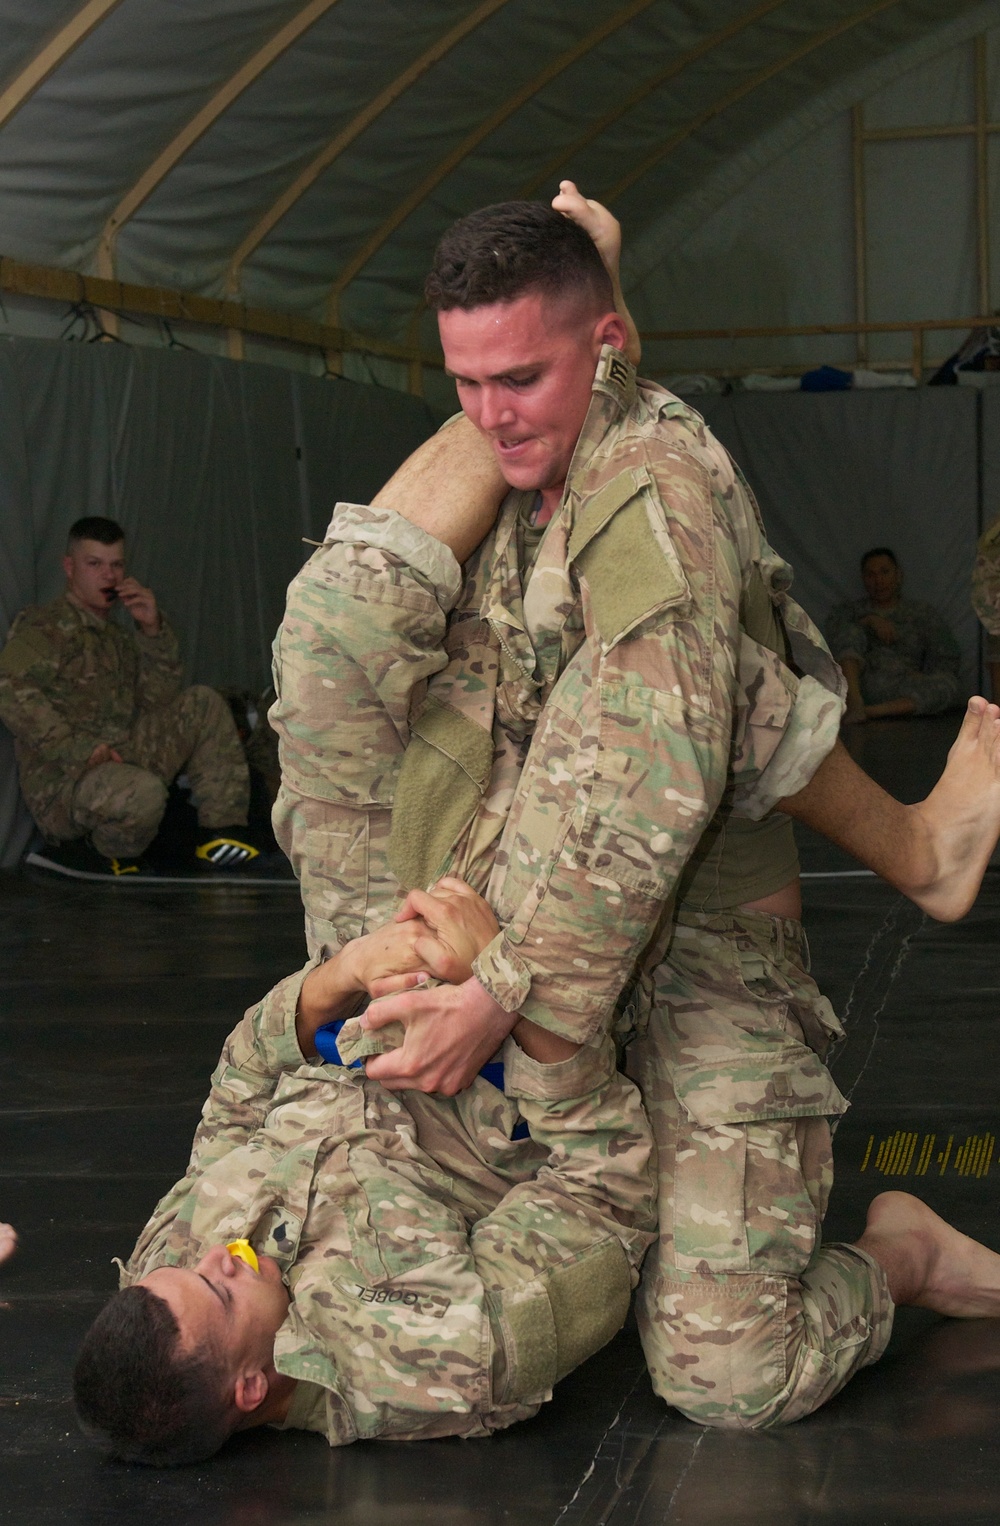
<point>69,681</point>
<point>614,703</point>
<point>744,1319</point>
<point>921,664</point>
<point>986,588</point>
<point>610,707</point>
<point>443,1275</point>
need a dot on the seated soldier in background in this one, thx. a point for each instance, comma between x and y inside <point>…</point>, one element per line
<point>898,655</point>
<point>420,1266</point>
<point>102,725</point>
<point>986,599</point>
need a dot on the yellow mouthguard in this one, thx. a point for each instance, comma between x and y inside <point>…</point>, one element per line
<point>244,1251</point>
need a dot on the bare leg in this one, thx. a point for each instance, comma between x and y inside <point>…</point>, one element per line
<point>451,487</point>
<point>928,1263</point>
<point>855,711</point>
<point>935,852</point>
<point>606,232</point>
<point>8,1242</point>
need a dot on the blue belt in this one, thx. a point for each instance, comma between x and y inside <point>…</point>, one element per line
<point>326,1047</point>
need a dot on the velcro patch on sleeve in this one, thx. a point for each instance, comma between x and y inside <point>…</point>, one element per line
<point>613,545</point>
<point>23,650</point>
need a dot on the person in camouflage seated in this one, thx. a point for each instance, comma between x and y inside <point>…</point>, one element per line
<point>898,655</point>
<point>590,708</point>
<point>986,599</point>
<point>102,724</point>
<point>425,1266</point>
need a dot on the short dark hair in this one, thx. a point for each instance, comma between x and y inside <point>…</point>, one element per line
<point>95,527</point>
<point>879,551</point>
<point>506,251</point>
<point>139,1394</point>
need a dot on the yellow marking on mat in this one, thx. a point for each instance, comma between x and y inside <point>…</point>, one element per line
<point>926,1152</point>
<point>908,1152</point>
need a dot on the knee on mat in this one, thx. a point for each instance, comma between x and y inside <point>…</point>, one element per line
<point>710,1393</point>
<point>743,1372</point>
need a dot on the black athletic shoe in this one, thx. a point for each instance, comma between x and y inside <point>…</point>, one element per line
<point>226,848</point>
<point>80,860</point>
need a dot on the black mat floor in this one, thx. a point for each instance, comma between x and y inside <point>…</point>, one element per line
<point>115,1002</point>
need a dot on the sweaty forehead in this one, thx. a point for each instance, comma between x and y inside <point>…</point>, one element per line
<point>500,337</point>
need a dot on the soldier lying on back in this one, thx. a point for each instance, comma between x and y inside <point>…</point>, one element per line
<point>424,1270</point>
<point>103,725</point>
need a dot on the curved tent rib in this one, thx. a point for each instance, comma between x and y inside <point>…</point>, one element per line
<point>199,125</point>
<point>34,74</point>
<point>332,150</point>
<point>755,81</point>
<point>639,94</point>
<point>579,50</point>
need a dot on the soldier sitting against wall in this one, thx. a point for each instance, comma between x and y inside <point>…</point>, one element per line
<point>898,655</point>
<point>102,725</point>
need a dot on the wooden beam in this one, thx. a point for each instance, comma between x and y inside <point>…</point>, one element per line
<point>982,175</point>
<point>48,58</point>
<point>373,244</point>
<point>754,82</point>
<point>860,226</point>
<point>808,330</point>
<point>118,297</point>
<point>337,145</point>
<point>628,102</point>
<point>199,124</point>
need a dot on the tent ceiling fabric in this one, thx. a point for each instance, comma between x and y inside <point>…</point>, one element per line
<point>307,156</point>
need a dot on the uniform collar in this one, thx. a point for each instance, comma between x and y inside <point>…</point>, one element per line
<point>87,616</point>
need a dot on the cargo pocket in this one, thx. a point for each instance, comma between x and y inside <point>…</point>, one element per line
<point>332,864</point>
<point>752,1161</point>
<point>407,1219</point>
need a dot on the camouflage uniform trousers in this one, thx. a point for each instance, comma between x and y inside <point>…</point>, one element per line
<point>121,804</point>
<point>342,716</point>
<point>930,693</point>
<point>745,1320</point>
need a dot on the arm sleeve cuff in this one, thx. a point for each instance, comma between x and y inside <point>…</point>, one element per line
<point>503,974</point>
<point>584,1072</point>
<point>810,734</point>
<point>430,559</point>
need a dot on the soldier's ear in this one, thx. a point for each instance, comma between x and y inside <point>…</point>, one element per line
<point>250,1391</point>
<point>611,330</point>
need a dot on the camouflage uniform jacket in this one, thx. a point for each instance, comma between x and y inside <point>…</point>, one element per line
<point>69,680</point>
<point>442,1274</point>
<point>590,721</point>
<point>986,587</point>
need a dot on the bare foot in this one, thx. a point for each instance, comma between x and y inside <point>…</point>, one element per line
<point>605,230</point>
<point>8,1242</point>
<point>960,819</point>
<point>928,1263</point>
